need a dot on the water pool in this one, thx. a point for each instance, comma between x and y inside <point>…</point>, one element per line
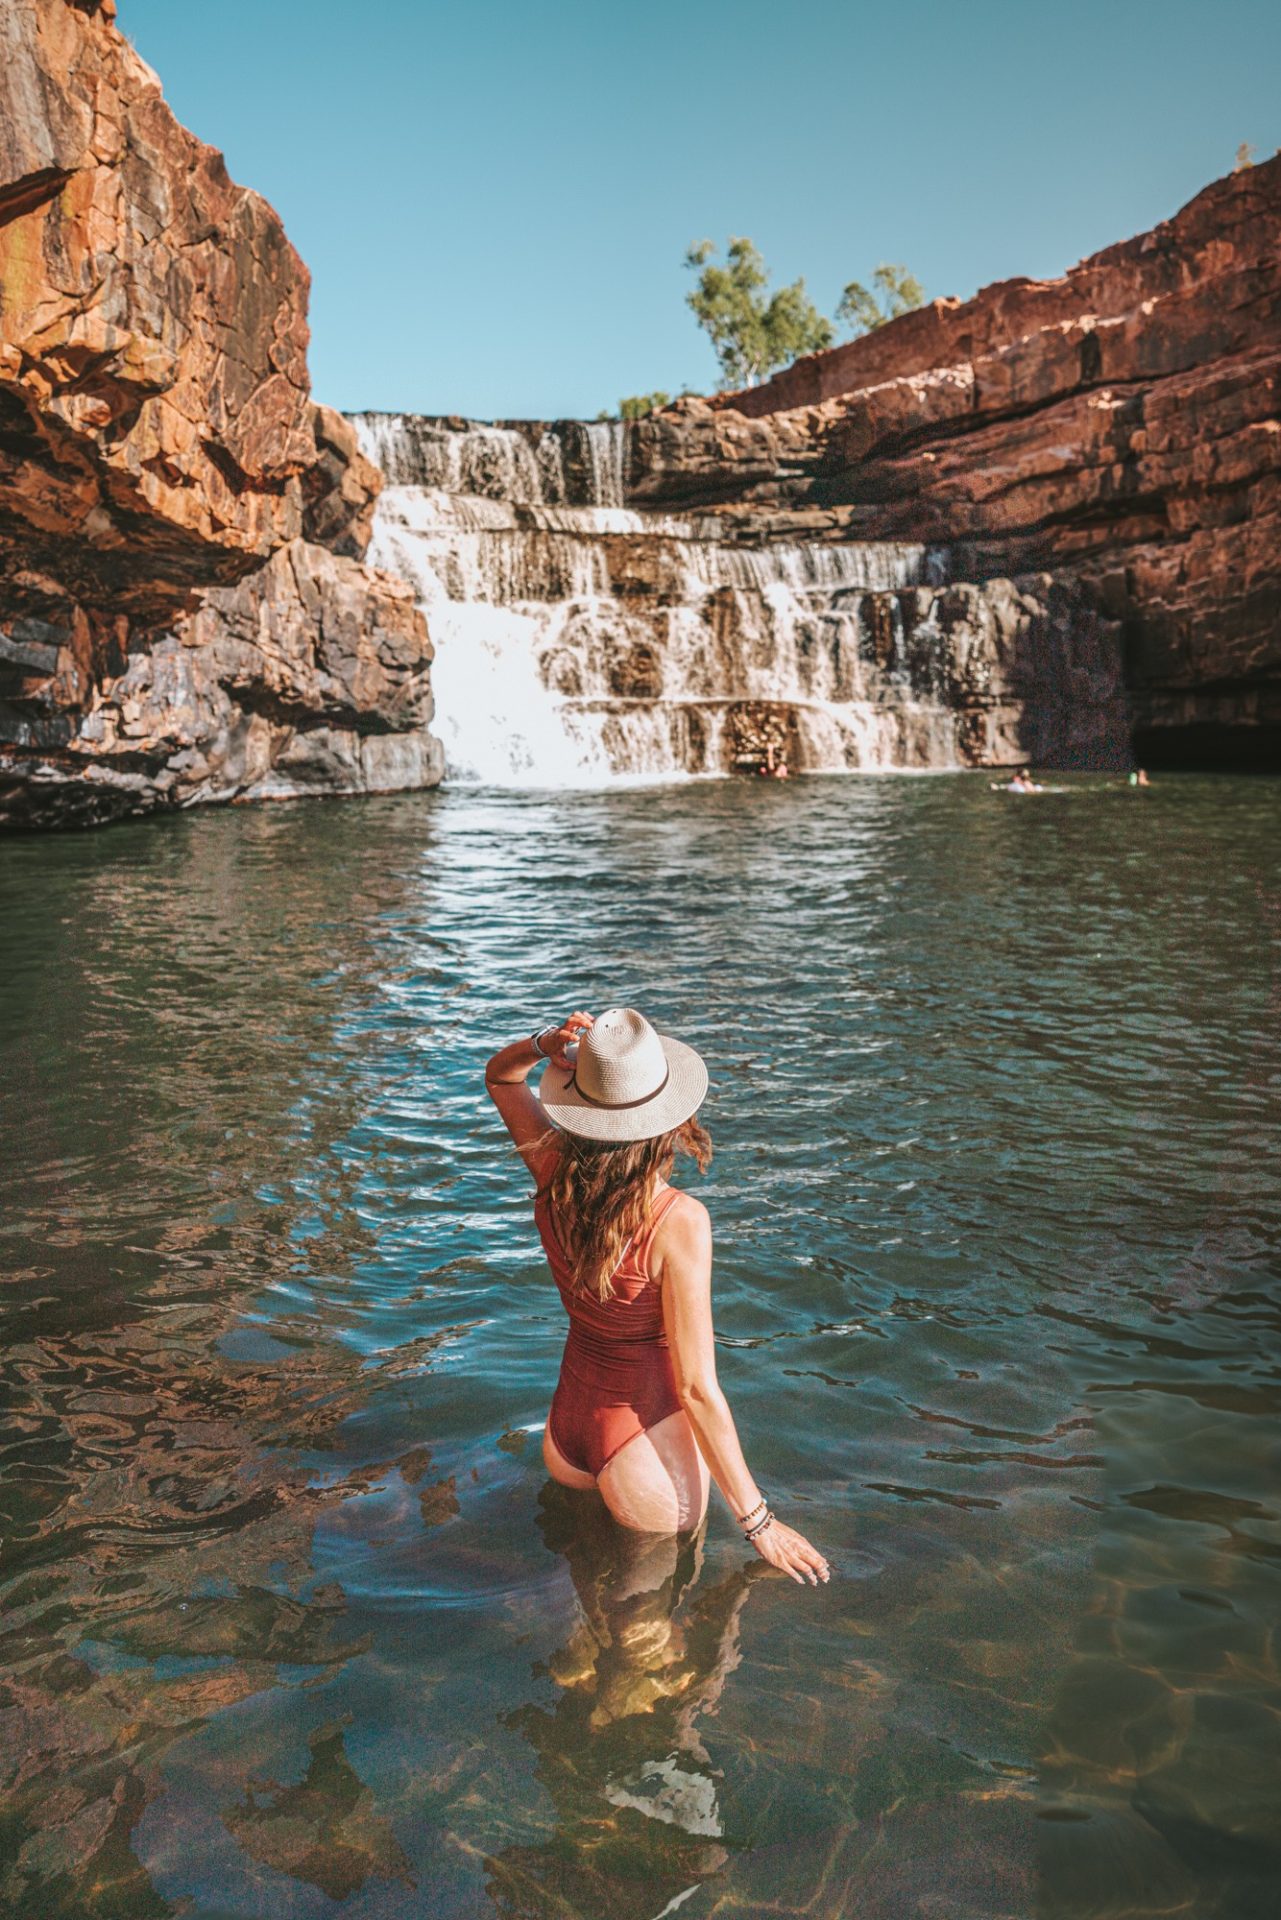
<point>293,1622</point>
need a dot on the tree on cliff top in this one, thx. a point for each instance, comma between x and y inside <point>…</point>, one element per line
<point>751,334</point>
<point>897,291</point>
<point>637,405</point>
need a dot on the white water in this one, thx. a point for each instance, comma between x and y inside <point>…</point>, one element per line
<point>579,641</point>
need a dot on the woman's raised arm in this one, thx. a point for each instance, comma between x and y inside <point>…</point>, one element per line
<point>509,1070</point>
<point>685,1273</point>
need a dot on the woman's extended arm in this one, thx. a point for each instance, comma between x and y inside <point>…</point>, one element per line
<point>686,1277</point>
<point>510,1068</point>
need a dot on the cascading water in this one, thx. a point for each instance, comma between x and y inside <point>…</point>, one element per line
<point>579,641</point>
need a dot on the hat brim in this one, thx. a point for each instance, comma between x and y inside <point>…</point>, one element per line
<point>681,1096</point>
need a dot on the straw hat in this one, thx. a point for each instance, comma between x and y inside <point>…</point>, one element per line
<point>627,1083</point>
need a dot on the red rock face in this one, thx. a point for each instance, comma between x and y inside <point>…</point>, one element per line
<point>154,314</point>
<point>157,435</point>
<point>1121,426</point>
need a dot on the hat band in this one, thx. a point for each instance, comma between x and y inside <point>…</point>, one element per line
<point>618,1106</point>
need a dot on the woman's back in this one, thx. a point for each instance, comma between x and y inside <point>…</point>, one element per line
<point>616,1375</point>
<point>630,1283</point>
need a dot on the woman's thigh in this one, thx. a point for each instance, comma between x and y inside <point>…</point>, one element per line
<point>559,1467</point>
<point>658,1482</point>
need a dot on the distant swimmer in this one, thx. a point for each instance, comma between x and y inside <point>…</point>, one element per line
<point>1019,782</point>
<point>772,769</point>
<point>1139,778</point>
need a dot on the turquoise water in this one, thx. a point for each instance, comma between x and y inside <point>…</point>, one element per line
<point>294,1624</point>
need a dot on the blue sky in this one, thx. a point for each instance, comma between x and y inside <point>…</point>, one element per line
<point>495,199</point>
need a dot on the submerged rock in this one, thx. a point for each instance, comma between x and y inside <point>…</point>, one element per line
<point>158,444</point>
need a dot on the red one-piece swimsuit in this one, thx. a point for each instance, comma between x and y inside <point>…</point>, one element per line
<point>616,1378</point>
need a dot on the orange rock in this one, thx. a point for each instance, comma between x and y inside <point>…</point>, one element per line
<point>157,434</point>
<point>1119,427</point>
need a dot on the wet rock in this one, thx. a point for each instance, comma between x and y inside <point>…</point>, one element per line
<point>656,641</point>
<point>1215,1799</point>
<point>1097,1860</point>
<point>757,733</point>
<point>311,675</point>
<point>637,674</point>
<point>323,1830</point>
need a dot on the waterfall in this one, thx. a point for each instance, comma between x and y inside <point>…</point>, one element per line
<point>606,451</point>
<point>581,641</point>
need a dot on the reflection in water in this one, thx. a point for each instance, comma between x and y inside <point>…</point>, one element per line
<point>649,1654</point>
<point>292,1624</point>
<point>160,1496</point>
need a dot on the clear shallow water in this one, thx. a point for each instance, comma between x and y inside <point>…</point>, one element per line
<point>293,1624</point>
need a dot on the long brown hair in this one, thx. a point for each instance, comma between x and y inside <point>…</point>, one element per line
<point>600,1194</point>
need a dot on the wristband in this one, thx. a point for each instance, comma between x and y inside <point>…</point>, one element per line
<point>753,1513</point>
<point>537,1036</point>
<point>760,1526</point>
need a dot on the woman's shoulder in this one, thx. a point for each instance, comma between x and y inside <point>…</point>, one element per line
<point>685,1228</point>
<point>683,1205</point>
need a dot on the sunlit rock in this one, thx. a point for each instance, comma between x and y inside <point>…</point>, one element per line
<point>158,444</point>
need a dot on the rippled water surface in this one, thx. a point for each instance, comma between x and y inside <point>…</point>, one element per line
<point>294,1624</point>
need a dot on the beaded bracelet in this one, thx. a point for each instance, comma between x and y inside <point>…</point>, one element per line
<point>745,1519</point>
<point>760,1526</point>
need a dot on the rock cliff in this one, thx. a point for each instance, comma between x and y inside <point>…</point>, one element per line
<point>1118,428</point>
<point>183,612</point>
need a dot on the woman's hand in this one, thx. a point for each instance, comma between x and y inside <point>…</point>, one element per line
<point>557,1042</point>
<point>783,1547</point>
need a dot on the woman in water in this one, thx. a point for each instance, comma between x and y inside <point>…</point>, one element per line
<point>638,1414</point>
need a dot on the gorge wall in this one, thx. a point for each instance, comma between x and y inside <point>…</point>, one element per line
<point>1119,428</point>
<point>1040,524</point>
<point>184,612</point>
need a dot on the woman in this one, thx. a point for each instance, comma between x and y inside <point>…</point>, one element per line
<point>638,1414</point>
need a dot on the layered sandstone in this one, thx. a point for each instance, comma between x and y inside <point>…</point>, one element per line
<point>158,445</point>
<point>1119,428</point>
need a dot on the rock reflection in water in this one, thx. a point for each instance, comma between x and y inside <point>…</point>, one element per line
<point>160,1491</point>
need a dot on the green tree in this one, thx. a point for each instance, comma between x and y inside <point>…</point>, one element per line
<point>637,405</point>
<point>897,291</point>
<point>1245,157</point>
<point>751,332</point>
